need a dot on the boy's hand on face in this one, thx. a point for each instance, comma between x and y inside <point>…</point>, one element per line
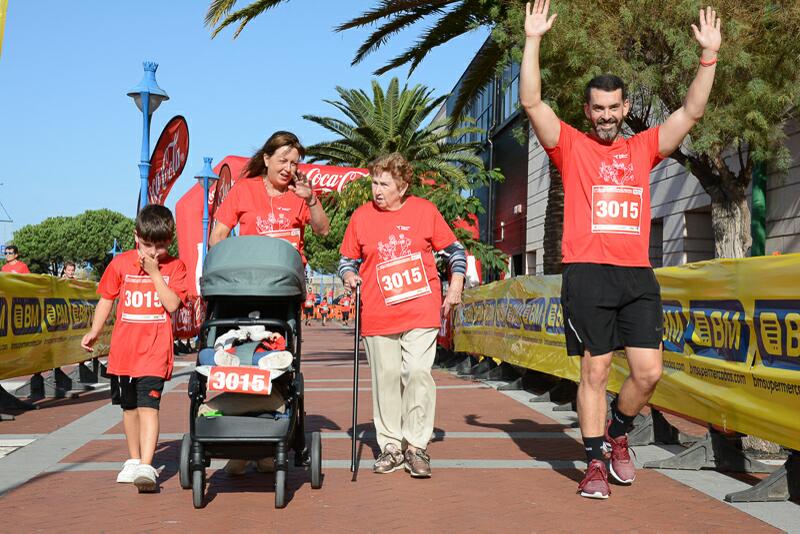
<point>148,263</point>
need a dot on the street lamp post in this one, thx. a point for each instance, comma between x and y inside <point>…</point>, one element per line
<point>115,249</point>
<point>206,175</point>
<point>147,96</point>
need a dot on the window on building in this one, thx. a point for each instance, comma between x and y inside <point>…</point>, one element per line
<point>698,243</point>
<point>516,265</point>
<point>530,262</point>
<point>657,243</point>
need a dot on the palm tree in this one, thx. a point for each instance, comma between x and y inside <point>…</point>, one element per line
<point>392,120</point>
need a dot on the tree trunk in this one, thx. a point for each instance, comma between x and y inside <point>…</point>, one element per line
<point>730,221</point>
<point>553,223</point>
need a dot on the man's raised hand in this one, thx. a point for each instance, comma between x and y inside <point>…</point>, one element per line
<point>708,35</point>
<point>536,21</point>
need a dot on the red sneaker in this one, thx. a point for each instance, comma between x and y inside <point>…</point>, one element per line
<point>595,483</point>
<point>621,466</point>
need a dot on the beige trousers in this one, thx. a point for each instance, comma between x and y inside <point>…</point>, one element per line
<point>403,390</point>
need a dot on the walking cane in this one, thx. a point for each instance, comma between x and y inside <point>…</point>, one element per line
<point>355,375</point>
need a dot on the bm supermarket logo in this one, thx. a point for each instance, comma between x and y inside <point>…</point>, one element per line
<point>777,331</point>
<point>534,314</point>
<point>712,328</point>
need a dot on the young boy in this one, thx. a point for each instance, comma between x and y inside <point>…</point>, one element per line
<point>150,286</point>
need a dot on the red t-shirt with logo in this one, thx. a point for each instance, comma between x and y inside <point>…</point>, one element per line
<point>309,302</point>
<point>344,304</point>
<point>248,205</point>
<point>141,343</point>
<point>606,196</point>
<point>401,289</point>
<point>18,267</point>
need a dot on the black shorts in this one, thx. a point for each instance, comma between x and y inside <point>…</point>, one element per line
<point>138,392</point>
<point>345,315</point>
<point>308,311</point>
<point>607,307</point>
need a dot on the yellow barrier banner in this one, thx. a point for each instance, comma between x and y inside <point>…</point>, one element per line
<point>731,340</point>
<point>42,322</point>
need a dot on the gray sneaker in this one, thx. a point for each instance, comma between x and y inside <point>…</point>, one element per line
<point>390,460</point>
<point>418,463</point>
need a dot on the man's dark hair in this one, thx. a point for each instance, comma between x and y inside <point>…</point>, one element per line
<point>155,224</point>
<point>605,82</point>
<point>13,248</point>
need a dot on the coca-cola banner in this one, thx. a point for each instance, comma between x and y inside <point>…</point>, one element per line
<point>327,178</point>
<point>220,191</point>
<point>168,160</point>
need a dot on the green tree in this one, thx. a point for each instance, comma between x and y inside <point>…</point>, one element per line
<point>84,239</point>
<point>392,121</point>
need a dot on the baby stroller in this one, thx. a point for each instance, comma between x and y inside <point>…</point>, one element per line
<point>250,282</point>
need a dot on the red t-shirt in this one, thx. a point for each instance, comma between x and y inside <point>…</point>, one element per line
<point>344,304</point>
<point>17,267</point>
<point>606,196</point>
<point>401,289</point>
<point>309,302</point>
<point>248,205</point>
<point>141,343</point>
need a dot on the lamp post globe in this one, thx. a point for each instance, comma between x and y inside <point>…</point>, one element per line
<point>205,177</point>
<point>147,96</point>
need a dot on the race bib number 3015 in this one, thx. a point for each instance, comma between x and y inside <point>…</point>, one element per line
<point>140,302</point>
<point>250,380</point>
<point>292,235</point>
<point>616,209</point>
<point>402,279</point>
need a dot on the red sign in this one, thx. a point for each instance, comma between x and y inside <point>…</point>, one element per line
<point>240,380</point>
<point>217,195</point>
<point>327,178</point>
<point>168,160</point>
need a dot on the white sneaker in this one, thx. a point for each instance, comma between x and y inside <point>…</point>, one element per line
<point>276,361</point>
<point>127,474</point>
<point>145,478</point>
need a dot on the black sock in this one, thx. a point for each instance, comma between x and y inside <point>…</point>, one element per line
<point>594,448</point>
<point>620,423</point>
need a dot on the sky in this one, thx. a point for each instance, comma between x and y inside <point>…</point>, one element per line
<point>70,137</point>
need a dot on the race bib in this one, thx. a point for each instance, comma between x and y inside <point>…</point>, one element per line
<point>402,279</point>
<point>292,235</point>
<point>616,209</point>
<point>140,302</point>
<point>250,380</point>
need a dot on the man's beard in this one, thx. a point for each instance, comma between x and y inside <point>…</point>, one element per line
<point>607,135</point>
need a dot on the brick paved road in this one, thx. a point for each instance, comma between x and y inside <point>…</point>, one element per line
<point>499,465</point>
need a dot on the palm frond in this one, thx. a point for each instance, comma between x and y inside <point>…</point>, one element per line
<point>479,73</point>
<point>245,15</point>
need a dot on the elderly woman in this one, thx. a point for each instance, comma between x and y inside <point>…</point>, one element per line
<point>274,199</point>
<point>388,248</point>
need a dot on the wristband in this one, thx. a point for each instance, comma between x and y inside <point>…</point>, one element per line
<point>314,204</point>
<point>708,63</point>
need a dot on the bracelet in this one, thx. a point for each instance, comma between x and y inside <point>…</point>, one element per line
<point>708,63</point>
<point>314,204</point>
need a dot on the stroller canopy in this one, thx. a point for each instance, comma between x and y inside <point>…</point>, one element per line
<point>253,266</point>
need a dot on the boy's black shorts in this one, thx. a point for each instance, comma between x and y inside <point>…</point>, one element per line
<point>345,315</point>
<point>137,392</point>
<point>607,307</point>
<point>308,312</point>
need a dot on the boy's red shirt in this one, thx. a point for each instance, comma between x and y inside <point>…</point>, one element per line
<point>142,342</point>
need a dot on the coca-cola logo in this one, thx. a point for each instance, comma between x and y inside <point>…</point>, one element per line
<point>325,180</point>
<point>173,161</point>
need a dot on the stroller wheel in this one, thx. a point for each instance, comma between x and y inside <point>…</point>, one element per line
<point>183,465</point>
<point>280,488</point>
<point>198,487</point>
<point>316,460</point>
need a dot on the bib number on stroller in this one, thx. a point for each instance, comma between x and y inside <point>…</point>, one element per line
<point>402,279</point>
<point>240,380</point>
